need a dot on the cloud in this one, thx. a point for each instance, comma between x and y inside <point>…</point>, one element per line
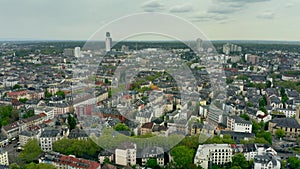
<point>206,17</point>
<point>223,9</point>
<point>181,8</point>
<point>152,6</point>
<point>266,15</point>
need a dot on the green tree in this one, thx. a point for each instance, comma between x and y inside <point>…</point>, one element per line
<point>190,142</point>
<point>245,116</point>
<point>152,163</point>
<point>14,166</point>
<point>182,156</point>
<point>39,166</point>
<point>23,100</point>
<point>80,148</point>
<point>239,160</point>
<point>71,122</point>
<point>47,94</point>
<point>121,127</point>
<point>60,93</point>
<point>28,114</point>
<point>8,115</point>
<point>31,151</point>
<point>106,160</point>
<point>294,162</point>
<point>16,86</point>
<point>279,133</point>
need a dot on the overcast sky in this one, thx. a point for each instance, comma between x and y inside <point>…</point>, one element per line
<point>217,19</point>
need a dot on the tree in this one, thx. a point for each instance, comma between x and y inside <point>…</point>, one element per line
<point>190,142</point>
<point>182,156</point>
<point>152,163</point>
<point>31,151</point>
<point>245,116</point>
<point>29,113</point>
<point>39,166</point>
<point>106,160</point>
<point>47,94</point>
<point>294,162</point>
<point>279,133</point>
<point>8,115</point>
<point>239,160</point>
<point>80,148</point>
<point>16,86</point>
<point>60,93</point>
<point>121,127</point>
<point>236,167</point>
<point>14,166</point>
<point>71,122</point>
<point>23,100</point>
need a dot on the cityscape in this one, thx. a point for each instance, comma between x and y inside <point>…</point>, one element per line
<point>152,91</point>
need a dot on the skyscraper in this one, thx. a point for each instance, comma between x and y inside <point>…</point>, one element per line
<point>199,45</point>
<point>77,52</point>
<point>108,42</point>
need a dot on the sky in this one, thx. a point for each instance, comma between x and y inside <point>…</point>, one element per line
<point>216,19</point>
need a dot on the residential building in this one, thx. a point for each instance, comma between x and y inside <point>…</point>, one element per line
<point>209,154</point>
<point>126,154</point>
<point>49,136</point>
<point>67,162</point>
<point>3,157</point>
<point>155,153</point>
<point>237,124</point>
<point>266,161</point>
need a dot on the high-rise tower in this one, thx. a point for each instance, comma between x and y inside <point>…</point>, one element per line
<point>108,42</point>
<point>199,45</point>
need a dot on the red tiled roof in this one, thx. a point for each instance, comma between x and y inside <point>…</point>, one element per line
<point>78,162</point>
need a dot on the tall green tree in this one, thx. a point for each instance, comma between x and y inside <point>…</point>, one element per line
<point>31,151</point>
<point>71,122</point>
<point>183,156</point>
<point>39,166</point>
<point>239,160</point>
<point>294,162</point>
<point>279,133</point>
<point>152,163</point>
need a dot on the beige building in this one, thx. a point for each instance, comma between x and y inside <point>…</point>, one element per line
<point>291,126</point>
<point>209,154</point>
<point>4,157</point>
<point>126,154</point>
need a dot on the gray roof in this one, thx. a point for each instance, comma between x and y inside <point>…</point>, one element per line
<point>264,159</point>
<point>286,122</point>
<point>50,133</point>
<point>238,119</point>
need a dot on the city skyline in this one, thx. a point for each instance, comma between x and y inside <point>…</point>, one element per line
<point>218,20</point>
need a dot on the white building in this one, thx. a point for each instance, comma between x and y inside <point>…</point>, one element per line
<point>237,124</point>
<point>126,154</point>
<point>77,52</point>
<point>153,152</point>
<point>26,135</point>
<point>49,136</point>
<point>4,157</point>
<point>266,161</point>
<point>108,42</point>
<point>288,112</point>
<point>209,154</point>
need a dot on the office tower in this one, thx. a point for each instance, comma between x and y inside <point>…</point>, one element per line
<point>77,52</point>
<point>199,45</point>
<point>108,42</point>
